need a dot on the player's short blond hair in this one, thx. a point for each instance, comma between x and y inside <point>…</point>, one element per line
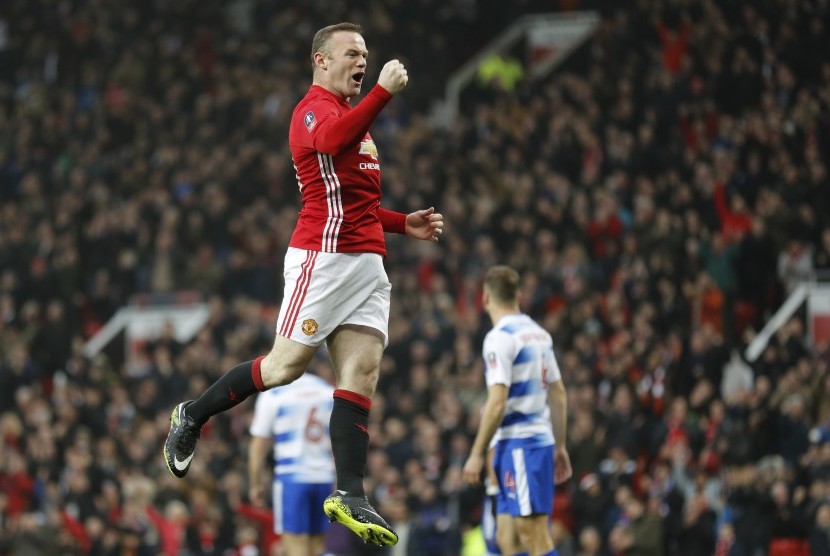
<point>322,38</point>
<point>502,283</point>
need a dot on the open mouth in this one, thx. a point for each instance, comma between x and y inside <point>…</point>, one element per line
<point>358,77</point>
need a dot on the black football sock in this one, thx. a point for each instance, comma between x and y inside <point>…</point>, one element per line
<point>231,389</point>
<point>349,427</point>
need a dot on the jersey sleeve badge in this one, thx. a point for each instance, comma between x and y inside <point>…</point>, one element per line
<point>492,360</point>
<point>310,121</point>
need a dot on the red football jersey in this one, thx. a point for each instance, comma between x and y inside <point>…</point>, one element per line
<point>338,174</point>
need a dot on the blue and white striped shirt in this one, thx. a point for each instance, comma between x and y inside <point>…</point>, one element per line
<point>518,353</point>
<point>297,417</point>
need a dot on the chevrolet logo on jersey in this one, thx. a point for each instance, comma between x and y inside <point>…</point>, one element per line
<point>367,146</point>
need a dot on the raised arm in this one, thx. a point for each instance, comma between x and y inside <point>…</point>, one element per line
<point>336,134</point>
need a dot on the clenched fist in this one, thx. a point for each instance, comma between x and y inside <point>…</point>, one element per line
<point>393,77</point>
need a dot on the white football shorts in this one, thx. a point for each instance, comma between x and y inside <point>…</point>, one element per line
<point>325,290</point>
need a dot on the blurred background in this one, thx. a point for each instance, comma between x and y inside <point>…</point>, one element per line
<point>658,175</point>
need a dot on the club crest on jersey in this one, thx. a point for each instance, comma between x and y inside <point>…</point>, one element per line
<point>509,483</point>
<point>367,146</point>
<point>309,121</point>
<point>309,327</point>
<point>492,361</point>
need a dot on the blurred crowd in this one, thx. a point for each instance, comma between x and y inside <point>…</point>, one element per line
<point>661,194</point>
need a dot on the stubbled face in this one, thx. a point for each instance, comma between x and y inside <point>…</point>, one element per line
<point>342,70</point>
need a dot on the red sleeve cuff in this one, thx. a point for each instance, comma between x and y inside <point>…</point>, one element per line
<point>384,95</point>
<point>392,222</point>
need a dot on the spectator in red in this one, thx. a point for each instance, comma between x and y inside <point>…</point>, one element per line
<point>16,483</point>
<point>171,525</point>
<point>789,527</point>
<point>605,226</point>
<point>675,43</point>
<point>733,212</point>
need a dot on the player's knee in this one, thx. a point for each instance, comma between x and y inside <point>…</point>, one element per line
<point>524,529</point>
<point>534,532</point>
<point>278,372</point>
<point>369,372</point>
<point>360,379</point>
<point>506,541</point>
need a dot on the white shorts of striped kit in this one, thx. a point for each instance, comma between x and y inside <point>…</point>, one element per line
<point>326,290</point>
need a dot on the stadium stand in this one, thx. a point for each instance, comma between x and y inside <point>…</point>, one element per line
<point>661,194</point>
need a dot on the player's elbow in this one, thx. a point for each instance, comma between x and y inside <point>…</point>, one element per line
<point>558,388</point>
<point>557,392</point>
<point>258,448</point>
<point>498,407</point>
